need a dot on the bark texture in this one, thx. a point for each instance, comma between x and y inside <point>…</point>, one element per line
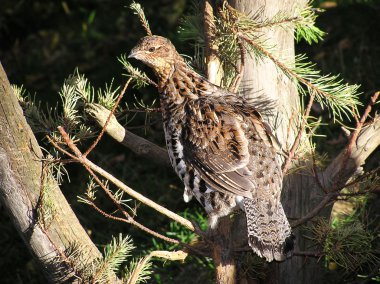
<point>20,186</point>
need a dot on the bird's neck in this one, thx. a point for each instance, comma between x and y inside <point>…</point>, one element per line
<point>180,84</point>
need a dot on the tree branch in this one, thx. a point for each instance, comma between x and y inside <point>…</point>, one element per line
<point>341,169</point>
<point>87,163</point>
<point>137,144</point>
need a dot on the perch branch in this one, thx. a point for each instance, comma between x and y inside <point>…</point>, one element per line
<point>137,144</point>
<point>352,145</point>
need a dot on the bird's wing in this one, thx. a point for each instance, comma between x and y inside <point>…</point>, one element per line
<point>216,140</point>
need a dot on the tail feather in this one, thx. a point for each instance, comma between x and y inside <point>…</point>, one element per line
<point>269,232</point>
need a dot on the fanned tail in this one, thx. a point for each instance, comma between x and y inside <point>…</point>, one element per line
<point>269,232</point>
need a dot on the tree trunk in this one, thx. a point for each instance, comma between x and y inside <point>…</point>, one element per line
<point>222,254</point>
<point>21,182</point>
<point>263,79</point>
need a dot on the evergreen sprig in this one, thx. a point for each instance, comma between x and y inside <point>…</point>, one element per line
<point>191,27</point>
<point>346,242</point>
<point>305,27</point>
<point>138,270</point>
<point>41,121</point>
<point>115,254</point>
<point>140,79</point>
<point>330,91</point>
<point>138,10</point>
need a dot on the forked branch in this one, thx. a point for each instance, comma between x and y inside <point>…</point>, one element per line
<point>363,141</point>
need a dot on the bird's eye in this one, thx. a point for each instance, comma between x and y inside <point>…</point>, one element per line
<point>151,49</point>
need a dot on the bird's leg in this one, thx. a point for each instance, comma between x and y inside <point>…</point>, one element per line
<point>198,230</point>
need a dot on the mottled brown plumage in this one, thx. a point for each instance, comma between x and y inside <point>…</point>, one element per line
<point>220,147</point>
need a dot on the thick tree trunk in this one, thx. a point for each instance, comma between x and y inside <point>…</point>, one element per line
<point>262,80</point>
<point>21,181</point>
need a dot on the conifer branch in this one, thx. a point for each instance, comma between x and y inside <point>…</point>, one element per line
<point>115,254</point>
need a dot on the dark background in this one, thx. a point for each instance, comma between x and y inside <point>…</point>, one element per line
<point>42,42</point>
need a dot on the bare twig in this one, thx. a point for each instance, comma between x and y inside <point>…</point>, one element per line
<point>324,202</point>
<point>317,254</point>
<point>236,83</point>
<point>133,222</point>
<point>316,175</point>
<point>299,135</point>
<point>118,183</point>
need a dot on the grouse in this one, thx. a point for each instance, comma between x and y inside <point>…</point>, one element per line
<point>220,148</point>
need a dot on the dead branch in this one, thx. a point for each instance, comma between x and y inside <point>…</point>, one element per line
<point>363,141</point>
<point>90,165</point>
<point>137,144</point>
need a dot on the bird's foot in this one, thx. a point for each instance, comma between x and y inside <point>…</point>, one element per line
<point>198,230</point>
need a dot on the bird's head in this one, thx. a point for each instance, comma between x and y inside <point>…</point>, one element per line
<point>157,52</point>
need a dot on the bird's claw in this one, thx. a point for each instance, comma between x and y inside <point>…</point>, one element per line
<point>198,230</point>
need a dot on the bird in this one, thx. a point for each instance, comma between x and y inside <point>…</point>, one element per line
<point>220,147</point>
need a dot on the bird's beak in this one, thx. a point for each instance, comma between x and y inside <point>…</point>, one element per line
<point>134,54</point>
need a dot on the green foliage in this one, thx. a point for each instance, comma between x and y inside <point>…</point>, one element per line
<point>141,269</point>
<point>346,242</point>
<point>203,265</point>
<point>115,254</point>
<point>305,27</point>
<point>329,90</point>
<point>191,27</point>
<point>102,270</point>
